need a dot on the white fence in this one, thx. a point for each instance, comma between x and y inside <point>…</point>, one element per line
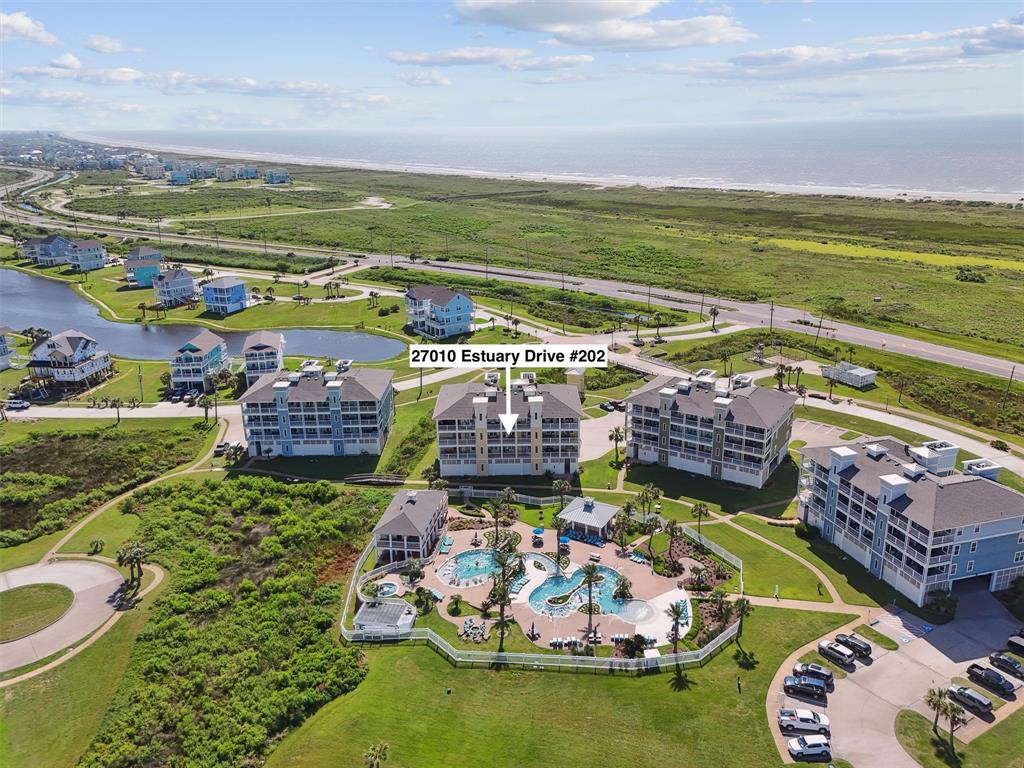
<point>469,492</point>
<point>553,662</point>
<point>725,554</point>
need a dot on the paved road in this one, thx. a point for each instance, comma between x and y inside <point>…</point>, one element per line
<point>94,585</point>
<point>752,314</point>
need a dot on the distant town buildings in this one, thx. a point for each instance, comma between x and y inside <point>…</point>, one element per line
<point>410,526</point>
<point>438,312</point>
<point>263,352</point>
<point>472,441</point>
<point>180,178</point>
<point>196,360</point>
<point>721,428</point>
<point>847,373</point>
<point>69,359</point>
<point>277,176</point>
<point>236,172</point>
<point>153,171</point>
<point>225,295</point>
<point>916,529</point>
<point>313,413</point>
<point>142,265</point>
<point>174,287</point>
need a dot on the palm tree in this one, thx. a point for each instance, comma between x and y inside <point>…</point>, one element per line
<point>798,371</point>
<point>116,404</point>
<point>141,306</point>
<point>515,326</point>
<point>501,597</point>
<point>780,375</point>
<point>590,575</point>
<point>935,700</point>
<point>636,319</point>
<point>954,715</point>
<point>133,554</point>
<point>657,323</point>
<point>621,529</point>
<point>205,402</point>
<point>674,531</point>
<point>560,488</point>
<point>713,314</point>
<point>504,504</point>
<point>377,754</point>
<point>700,511</point>
<point>560,526</point>
<point>650,528</point>
<point>414,570</point>
<point>742,608</point>
<point>616,436</point>
<point>455,604</point>
<point>677,614</point>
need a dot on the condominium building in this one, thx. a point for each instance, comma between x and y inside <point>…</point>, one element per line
<point>847,373</point>
<point>142,265</point>
<point>263,352</point>
<point>47,251</point>
<point>721,428</point>
<point>87,255</point>
<point>438,312</point>
<point>174,287</point>
<point>225,295</point>
<point>472,441</point>
<point>313,413</point>
<point>153,171</point>
<point>277,176</point>
<point>181,178</point>
<point>194,361</point>
<point>8,346</point>
<point>70,358</point>
<point>918,531</point>
<point>410,526</point>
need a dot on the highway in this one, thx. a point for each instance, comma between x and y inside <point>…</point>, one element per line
<point>752,314</point>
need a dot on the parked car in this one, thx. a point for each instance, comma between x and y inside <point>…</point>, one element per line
<point>618,405</point>
<point>791,720</point>
<point>835,652</point>
<point>219,448</point>
<point>810,747</point>
<point>1007,663</point>
<point>176,396</point>
<point>606,406</point>
<point>813,670</point>
<point>805,686</point>
<point>860,648</point>
<point>1016,643</point>
<point>16,404</point>
<point>990,679</point>
<point>969,698</point>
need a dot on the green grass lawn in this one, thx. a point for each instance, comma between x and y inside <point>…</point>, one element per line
<point>764,567</point>
<point>24,610</point>
<point>999,747</point>
<point>28,553</point>
<point>875,637</point>
<point>112,526</point>
<point>602,472</point>
<point>677,484</point>
<point>488,714</point>
<point>50,719</point>
<point>813,657</point>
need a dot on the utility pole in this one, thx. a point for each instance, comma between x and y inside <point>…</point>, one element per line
<point>140,383</point>
<point>1006,394</point>
<point>821,319</point>
<point>771,318</point>
<point>648,297</point>
<point>526,247</point>
<point>215,398</point>
<point>700,314</point>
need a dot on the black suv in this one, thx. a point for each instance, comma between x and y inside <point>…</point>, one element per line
<point>805,686</point>
<point>1007,663</point>
<point>801,669</point>
<point>855,644</point>
<point>990,679</point>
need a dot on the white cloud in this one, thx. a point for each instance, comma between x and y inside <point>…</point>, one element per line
<point>457,57</point>
<point>52,98</point>
<point>20,26</point>
<point>549,62</point>
<point>66,61</point>
<point>603,24</point>
<point>130,108</point>
<point>116,76</point>
<point>175,82</point>
<point>423,78</point>
<point>104,44</point>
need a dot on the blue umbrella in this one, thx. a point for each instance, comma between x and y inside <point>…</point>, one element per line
<point>563,539</point>
<point>538,531</point>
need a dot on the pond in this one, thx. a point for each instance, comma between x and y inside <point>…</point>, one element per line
<point>27,300</point>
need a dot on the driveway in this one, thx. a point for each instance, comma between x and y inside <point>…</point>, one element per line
<point>594,442</point>
<point>94,585</point>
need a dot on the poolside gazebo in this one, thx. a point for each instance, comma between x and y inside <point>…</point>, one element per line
<point>589,517</point>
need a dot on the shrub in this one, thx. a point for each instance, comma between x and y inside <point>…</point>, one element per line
<point>806,531</point>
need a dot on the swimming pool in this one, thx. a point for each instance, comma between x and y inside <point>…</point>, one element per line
<point>387,589</point>
<point>468,568</point>
<point>557,586</point>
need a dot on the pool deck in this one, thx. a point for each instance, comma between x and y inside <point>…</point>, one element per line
<point>658,591</point>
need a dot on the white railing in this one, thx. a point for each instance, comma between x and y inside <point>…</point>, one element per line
<point>550,662</point>
<point>468,492</point>
<point>723,553</point>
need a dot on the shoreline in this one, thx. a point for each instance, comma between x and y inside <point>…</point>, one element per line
<point>720,185</point>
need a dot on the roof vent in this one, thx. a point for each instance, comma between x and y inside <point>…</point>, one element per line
<point>875,450</point>
<point>588,502</point>
<point>412,497</point>
<point>913,471</point>
<point>294,378</point>
<point>492,392</point>
<point>683,386</point>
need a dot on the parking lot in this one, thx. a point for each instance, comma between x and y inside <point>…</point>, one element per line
<point>863,706</point>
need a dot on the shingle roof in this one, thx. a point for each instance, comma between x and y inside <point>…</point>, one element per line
<point>227,281</point>
<point>357,384</point>
<point>202,342</point>
<point>260,339</point>
<point>934,502</point>
<point>169,275</point>
<point>143,252</point>
<point>88,244</point>
<point>754,406</point>
<point>455,401</point>
<point>65,341</point>
<point>48,240</point>
<point>410,513</point>
<point>435,294</point>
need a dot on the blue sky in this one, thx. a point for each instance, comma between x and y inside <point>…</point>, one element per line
<point>486,63</point>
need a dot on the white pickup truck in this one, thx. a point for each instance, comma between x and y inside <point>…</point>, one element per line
<point>792,720</point>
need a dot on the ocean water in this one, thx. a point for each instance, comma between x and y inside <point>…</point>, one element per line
<point>970,157</point>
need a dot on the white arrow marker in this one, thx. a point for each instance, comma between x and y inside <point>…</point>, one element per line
<point>508,419</point>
